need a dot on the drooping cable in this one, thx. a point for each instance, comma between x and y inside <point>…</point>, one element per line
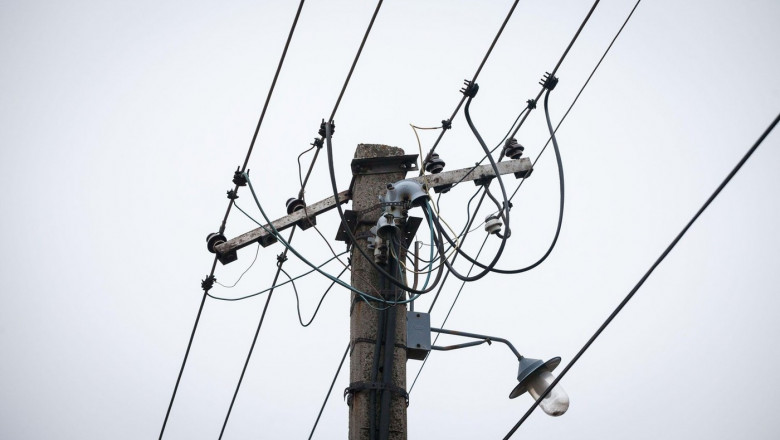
<point>298,299</point>
<point>219,298</point>
<point>280,262</point>
<point>505,214</point>
<point>257,252</point>
<point>646,275</point>
<point>585,84</point>
<point>227,211</point>
<point>560,212</point>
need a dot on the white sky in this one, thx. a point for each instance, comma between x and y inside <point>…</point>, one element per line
<point>121,124</point>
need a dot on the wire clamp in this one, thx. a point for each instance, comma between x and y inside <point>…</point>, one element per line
<point>208,283</point>
<point>363,386</point>
<point>317,143</point>
<point>322,129</point>
<point>446,124</point>
<point>531,104</point>
<point>549,81</point>
<point>238,177</point>
<point>232,195</point>
<point>280,259</point>
<point>469,89</point>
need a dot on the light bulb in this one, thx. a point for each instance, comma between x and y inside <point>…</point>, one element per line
<point>557,401</point>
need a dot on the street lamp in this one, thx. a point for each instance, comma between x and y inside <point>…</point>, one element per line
<point>534,375</point>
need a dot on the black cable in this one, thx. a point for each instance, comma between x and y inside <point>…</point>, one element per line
<point>560,61</point>
<point>578,95</point>
<point>298,300</point>
<point>468,226</point>
<point>265,107</point>
<point>354,62</point>
<point>647,274</point>
<point>505,214</point>
<point>230,204</point>
<point>186,354</point>
<point>300,171</point>
<point>340,210</point>
<point>448,314</point>
<point>474,78</point>
<point>335,376</point>
<point>560,212</point>
<point>257,332</point>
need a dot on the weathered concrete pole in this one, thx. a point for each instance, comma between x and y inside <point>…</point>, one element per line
<point>364,320</point>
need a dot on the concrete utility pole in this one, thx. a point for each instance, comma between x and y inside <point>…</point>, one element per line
<point>377,391</point>
<point>365,321</point>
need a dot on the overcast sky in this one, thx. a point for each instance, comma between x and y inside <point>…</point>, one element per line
<point>121,124</point>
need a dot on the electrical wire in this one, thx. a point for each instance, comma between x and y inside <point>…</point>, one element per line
<point>644,278</point>
<point>270,229</point>
<point>474,78</point>
<point>298,299</point>
<point>560,212</point>
<point>219,298</point>
<point>227,211</point>
<point>560,61</point>
<point>257,252</point>
<point>257,332</point>
<point>585,84</point>
<point>335,376</point>
<point>448,315</point>
<point>332,173</point>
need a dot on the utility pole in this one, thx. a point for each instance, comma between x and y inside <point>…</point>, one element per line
<point>378,338</point>
<point>366,355</point>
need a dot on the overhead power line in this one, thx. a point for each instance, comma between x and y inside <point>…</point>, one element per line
<point>444,128</point>
<point>282,258</point>
<point>585,84</point>
<point>646,275</point>
<point>227,213</point>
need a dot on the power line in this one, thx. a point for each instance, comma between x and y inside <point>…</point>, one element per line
<point>354,62</point>
<point>646,275</point>
<point>280,261</point>
<point>560,61</point>
<point>444,127</point>
<point>327,396</point>
<point>587,81</point>
<point>227,213</point>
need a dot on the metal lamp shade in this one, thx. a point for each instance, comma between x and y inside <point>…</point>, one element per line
<point>530,368</point>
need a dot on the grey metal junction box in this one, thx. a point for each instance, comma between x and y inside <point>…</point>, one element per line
<point>418,335</point>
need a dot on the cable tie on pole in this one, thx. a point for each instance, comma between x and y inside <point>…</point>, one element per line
<point>322,129</point>
<point>531,103</point>
<point>469,89</point>
<point>238,177</point>
<point>549,81</point>
<point>232,195</point>
<point>208,283</point>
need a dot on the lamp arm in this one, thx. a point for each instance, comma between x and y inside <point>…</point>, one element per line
<point>484,338</point>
